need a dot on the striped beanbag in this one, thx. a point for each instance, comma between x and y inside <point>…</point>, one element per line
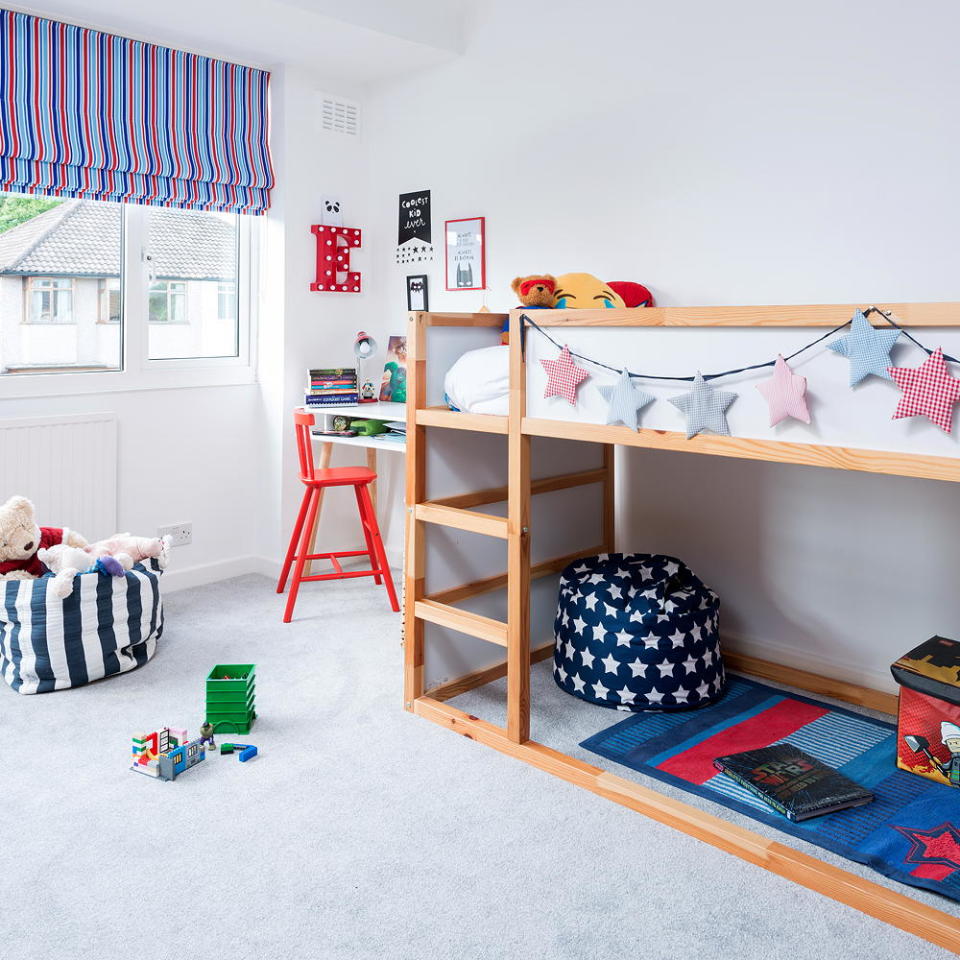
<point>108,625</point>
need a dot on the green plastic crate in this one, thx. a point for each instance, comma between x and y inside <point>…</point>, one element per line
<point>231,697</point>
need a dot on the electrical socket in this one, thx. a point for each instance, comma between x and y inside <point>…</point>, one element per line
<point>182,533</point>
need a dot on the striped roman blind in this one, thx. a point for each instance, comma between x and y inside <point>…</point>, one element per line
<point>88,114</point>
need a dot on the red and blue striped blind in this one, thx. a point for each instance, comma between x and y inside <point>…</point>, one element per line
<point>88,114</point>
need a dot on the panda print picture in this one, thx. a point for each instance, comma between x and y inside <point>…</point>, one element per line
<point>330,215</point>
<point>417,298</point>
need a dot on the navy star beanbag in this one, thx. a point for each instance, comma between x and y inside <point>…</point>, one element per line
<point>637,631</point>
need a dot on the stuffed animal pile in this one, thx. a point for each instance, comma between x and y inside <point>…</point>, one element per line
<point>29,551</point>
<point>579,291</point>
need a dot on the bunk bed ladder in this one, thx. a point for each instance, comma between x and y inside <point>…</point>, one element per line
<point>456,512</point>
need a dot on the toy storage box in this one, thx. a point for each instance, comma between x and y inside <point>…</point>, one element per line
<point>231,696</point>
<point>929,711</point>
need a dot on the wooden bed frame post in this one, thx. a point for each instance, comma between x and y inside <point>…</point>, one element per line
<point>416,483</point>
<point>518,547</point>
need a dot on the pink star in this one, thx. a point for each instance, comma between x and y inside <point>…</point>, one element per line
<point>928,391</point>
<point>785,393</point>
<point>563,377</point>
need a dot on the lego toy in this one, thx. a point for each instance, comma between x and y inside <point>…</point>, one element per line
<point>231,693</point>
<point>247,750</point>
<point>206,735</point>
<point>165,753</point>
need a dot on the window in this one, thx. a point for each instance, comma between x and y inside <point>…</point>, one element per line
<point>88,286</point>
<point>109,301</point>
<point>194,265</point>
<point>50,300</point>
<point>168,302</point>
<point>226,301</point>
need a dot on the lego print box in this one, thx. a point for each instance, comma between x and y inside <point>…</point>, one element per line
<point>928,722</point>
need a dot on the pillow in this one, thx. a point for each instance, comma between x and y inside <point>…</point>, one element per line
<point>479,382</point>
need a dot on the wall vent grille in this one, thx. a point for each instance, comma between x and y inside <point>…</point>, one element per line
<point>339,116</point>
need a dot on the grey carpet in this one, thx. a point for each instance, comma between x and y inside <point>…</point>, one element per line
<point>360,832</point>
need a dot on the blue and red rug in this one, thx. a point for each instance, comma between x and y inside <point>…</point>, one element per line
<point>911,831</point>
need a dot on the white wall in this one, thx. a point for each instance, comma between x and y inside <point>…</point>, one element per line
<point>741,153</point>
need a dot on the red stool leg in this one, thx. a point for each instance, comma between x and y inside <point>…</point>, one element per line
<point>371,518</point>
<point>291,551</point>
<point>374,562</point>
<point>314,503</point>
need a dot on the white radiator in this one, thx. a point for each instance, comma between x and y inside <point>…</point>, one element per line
<point>67,466</point>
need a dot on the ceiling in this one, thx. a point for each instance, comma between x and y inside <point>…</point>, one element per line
<point>350,42</point>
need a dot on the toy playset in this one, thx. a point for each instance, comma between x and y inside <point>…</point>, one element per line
<point>231,695</point>
<point>168,752</point>
<point>928,718</point>
<point>165,753</point>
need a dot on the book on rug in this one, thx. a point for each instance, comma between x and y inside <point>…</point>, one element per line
<point>791,781</point>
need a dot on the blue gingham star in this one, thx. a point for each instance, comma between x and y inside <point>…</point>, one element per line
<point>867,349</point>
<point>624,400</point>
<point>705,408</point>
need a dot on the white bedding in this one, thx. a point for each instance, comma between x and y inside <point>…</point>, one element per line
<point>479,382</point>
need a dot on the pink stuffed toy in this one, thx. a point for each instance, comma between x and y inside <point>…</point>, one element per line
<point>128,550</point>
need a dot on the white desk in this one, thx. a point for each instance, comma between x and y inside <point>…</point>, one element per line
<point>361,411</point>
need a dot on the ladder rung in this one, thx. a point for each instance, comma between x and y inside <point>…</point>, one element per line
<point>454,420</point>
<point>472,624</point>
<point>469,520</point>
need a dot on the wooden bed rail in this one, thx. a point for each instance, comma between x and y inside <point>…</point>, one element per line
<point>804,315</point>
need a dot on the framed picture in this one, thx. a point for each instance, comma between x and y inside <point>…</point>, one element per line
<point>417,298</point>
<point>466,254</point>
<point>393,385</point>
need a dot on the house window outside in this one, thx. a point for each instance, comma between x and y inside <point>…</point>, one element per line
<point>168,302</point>
<point>226,301</point>
<point>49,300</point>
<point>110,300</point>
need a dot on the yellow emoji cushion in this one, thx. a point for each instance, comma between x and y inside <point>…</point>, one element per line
<point>581,291</point>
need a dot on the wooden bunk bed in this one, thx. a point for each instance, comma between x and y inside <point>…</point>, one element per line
<point>513,634</point>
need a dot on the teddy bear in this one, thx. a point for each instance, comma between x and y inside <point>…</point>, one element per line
<point>65,562</point>
<point>21,539</point>
<point>536,292</point>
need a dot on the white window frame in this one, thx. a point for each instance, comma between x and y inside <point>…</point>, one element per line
<point>139,372</point>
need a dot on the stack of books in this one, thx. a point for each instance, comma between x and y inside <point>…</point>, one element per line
<point>332,386</point>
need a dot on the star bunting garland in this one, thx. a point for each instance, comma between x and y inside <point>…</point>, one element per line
<point>563,377</point>
<point>928,391</point>
<point>785,393</point>
<point>705,408</point>
<point>624,401</point>
<point>868,350</point>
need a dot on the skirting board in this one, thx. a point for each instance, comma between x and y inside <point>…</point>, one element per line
<point>177,578</point>
<point>876,678</point>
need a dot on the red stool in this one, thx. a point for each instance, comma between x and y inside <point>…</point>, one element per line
<point>316,481</point>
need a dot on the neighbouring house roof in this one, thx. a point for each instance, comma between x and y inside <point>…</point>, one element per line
<point>81,238</point>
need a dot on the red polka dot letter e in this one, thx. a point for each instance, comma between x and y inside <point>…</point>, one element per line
<point>333,259</point>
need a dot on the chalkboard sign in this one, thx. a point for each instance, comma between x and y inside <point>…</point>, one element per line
<point>414,235</point>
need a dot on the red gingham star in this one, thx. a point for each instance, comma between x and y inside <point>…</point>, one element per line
<point>928,391</point>
<point>563,377</point>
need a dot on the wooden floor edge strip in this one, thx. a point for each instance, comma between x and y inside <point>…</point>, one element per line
<point>809,682</point>
<point>871,898</point>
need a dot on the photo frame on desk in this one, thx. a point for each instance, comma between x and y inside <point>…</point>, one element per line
<point>418,297</point>
<point>466,262</point>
